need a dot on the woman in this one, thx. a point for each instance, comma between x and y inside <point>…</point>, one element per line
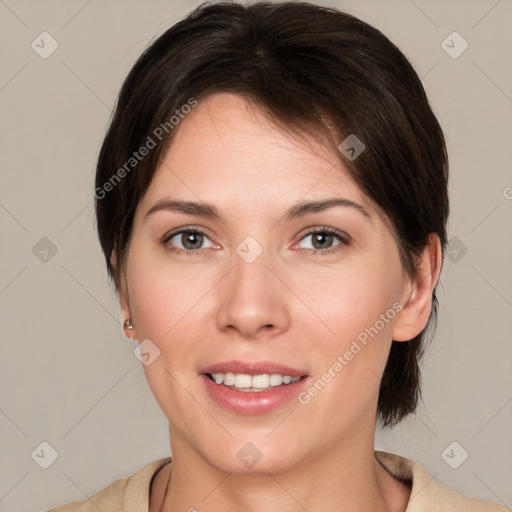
<point>271,200</point>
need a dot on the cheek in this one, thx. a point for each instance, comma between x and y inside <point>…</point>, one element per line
<point>353,300</point>
<point>165,309</point>
<point>358,306</point>
<point>164,297</point>
<point>168,303</point>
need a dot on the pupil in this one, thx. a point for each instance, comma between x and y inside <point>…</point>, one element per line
<point>320,236</point>
<point>191,237</point>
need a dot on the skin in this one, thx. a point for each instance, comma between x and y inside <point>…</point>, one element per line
<point>290,306</point>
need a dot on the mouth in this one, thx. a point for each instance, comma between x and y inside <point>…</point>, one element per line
<point>253,388</point>
<point>252,383</point>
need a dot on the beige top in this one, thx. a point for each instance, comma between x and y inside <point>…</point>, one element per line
<point>427,495</point>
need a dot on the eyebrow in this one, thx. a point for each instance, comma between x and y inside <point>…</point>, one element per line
<point>209,211</point>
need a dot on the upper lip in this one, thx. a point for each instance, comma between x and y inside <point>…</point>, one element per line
<point>252,368</point>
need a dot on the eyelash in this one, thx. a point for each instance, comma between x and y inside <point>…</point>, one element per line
<point>343,238</point>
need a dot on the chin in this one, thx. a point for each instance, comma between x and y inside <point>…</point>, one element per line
<point>241,456</point>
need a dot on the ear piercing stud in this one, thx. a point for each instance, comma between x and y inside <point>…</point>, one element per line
<point>128,326</point>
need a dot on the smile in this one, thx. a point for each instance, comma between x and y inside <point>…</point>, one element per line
<point>253,387</point>
<point>251,383</point>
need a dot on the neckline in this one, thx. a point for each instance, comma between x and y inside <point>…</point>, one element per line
<point>395,471</point>
<point>403,478</point>
<point>165,462</point>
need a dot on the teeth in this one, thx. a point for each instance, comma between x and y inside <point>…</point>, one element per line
<point>247,382</point>
<point>260,381</point>
<point>229,379</point>
<point>275,379</point>
<point>242,381</point>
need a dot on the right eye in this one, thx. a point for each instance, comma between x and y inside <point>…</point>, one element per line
<point>187,240</point>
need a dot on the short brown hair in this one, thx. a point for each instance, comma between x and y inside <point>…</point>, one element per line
<point>313,70</point>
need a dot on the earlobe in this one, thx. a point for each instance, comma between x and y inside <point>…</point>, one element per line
<point>417,305</point>
<point>122,293</point>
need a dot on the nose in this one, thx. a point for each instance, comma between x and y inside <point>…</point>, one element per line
<point>252,300</point>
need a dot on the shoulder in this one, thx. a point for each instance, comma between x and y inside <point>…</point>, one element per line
<point>127,494</point>
<point>427,494</point>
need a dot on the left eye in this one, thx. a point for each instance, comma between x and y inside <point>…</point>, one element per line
<point>322,239</point>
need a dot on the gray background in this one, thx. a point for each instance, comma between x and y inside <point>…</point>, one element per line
<point>69,377</point>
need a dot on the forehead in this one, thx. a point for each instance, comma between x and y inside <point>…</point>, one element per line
<point>227,150</point>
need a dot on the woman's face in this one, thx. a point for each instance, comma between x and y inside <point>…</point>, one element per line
<point>255,294</point>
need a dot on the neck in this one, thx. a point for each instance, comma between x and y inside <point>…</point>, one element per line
<point>344,479</point>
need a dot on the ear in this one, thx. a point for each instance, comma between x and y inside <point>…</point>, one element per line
<point>122,290</point>
<point>417,300</point>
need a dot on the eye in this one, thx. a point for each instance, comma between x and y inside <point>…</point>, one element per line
<point>322,240</point>
<point>187,240</point>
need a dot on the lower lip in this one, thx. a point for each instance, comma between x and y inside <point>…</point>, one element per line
<point>253,402</point>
